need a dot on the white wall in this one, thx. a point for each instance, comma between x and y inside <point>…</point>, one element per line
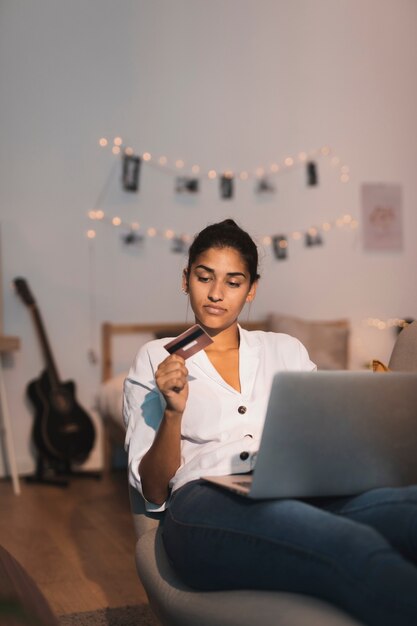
<point>229,84</point>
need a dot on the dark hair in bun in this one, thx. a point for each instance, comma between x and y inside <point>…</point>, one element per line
<point>226,234</point>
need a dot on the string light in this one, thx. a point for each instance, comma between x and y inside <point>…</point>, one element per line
<point>345,221</point>
<point>91,234</point>
<point>244,175</point>
<point>288,163</point>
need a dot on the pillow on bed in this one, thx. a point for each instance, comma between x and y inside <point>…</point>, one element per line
<point>327,342</point>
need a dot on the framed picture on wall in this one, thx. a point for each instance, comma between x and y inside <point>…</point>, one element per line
<point>382,216</point>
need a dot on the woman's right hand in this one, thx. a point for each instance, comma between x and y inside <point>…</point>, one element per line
<point>172,382</point>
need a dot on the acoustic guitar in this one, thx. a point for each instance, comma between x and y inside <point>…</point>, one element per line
<point>63,432</point>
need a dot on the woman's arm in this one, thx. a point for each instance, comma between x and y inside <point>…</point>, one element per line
<point>163,458</point>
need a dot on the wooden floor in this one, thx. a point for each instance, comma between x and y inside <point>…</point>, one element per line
<point>77,543</point>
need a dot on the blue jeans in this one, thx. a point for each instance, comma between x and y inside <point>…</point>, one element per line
<point>359,553</point>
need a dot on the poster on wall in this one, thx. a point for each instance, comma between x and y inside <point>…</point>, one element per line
<point>382,216</point>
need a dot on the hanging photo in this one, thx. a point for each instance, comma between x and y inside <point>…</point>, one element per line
<point>178,245</point>
<point>130,175</point>
<point>280,246</point>
<point>132,237</point>
<point>264,186</point>
<point>382,216</point>
<point>313,239</point>
<point>312,176</point>
<point>226,187</point>
<point>186,185</point>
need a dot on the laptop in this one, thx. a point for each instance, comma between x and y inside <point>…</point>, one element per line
<point>333,434</point>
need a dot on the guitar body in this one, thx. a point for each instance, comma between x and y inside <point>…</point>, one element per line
<point>62,430</point>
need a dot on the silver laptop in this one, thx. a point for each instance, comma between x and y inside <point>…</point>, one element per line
<point>333,434</point>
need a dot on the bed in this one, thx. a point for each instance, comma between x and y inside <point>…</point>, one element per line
<point>326,341</point>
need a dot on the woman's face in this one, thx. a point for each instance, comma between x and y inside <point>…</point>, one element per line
<point>219,286</point>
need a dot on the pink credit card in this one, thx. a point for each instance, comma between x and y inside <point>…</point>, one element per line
<point>189,342</point>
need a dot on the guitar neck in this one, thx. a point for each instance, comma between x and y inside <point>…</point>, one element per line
<point>46,349</point>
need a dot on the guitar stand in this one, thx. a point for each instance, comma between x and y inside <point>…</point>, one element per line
<point>49,474</point>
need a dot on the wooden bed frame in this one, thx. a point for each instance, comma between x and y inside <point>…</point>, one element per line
<point>114,434</point>
<point>109,330</point>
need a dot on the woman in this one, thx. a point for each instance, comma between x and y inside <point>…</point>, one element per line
<point>204,417</point>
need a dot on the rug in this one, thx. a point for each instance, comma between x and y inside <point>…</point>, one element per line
<point>137,615</point>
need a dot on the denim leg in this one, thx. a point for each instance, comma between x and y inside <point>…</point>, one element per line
<point>391,511</point>
<point>217,540</point>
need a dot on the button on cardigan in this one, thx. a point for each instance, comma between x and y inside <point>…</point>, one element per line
<point>215,431</point>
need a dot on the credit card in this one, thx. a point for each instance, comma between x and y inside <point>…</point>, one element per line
<point>189,342</point>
